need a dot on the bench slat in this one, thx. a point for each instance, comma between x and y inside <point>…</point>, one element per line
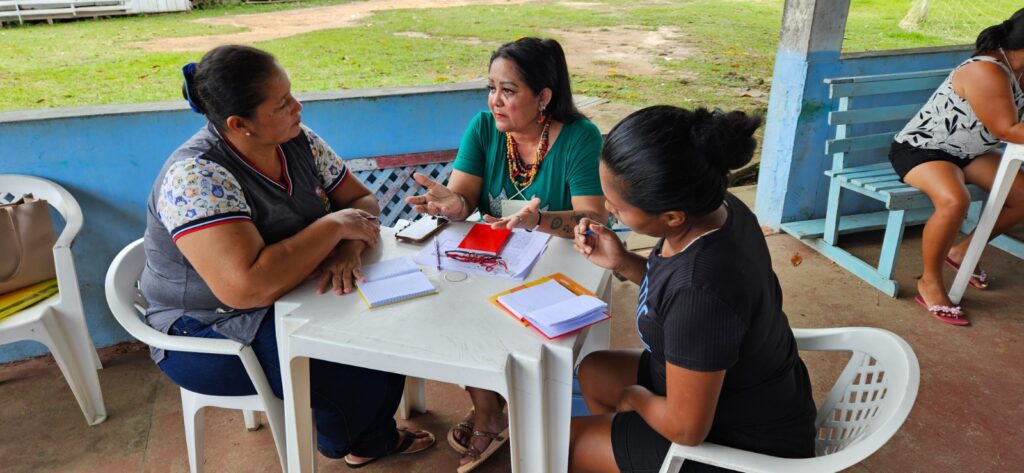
<point>886,186</point>
<point>911,198</point>
<point>859,143</point>
<point>869,167</point>
<point>878,179</point>
<point>882,86</point>
<point>857,176</point>
<point>888,77</point>
<point>871,115</point>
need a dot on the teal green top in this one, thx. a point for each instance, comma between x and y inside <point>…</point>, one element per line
<point>569,169</point>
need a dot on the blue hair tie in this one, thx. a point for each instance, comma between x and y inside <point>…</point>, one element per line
<point>188,71</point>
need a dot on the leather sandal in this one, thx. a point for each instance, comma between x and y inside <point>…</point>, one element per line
<point>496,441</point>
<point>402,448</point>
<point>466,429</point>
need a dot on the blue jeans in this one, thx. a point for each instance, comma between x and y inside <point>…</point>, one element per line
<point>354,407</point>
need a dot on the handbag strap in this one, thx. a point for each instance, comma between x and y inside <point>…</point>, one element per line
<point>9,211</point>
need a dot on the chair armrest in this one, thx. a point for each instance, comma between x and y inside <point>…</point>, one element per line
<point>188,344</point>
<point>73,219</point>
<point>742,460</point>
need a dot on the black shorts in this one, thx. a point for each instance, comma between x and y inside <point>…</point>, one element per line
<point>637,447</point>
<point>905,157</point>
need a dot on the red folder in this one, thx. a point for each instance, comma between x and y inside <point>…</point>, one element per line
<point>484,239</point>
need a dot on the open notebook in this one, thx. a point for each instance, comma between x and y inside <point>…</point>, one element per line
<point>392,281</point>
<point>549,306</point>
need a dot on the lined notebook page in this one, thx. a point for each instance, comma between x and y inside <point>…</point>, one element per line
<point>393,281</point>
<point>536,297</point>
<point>567,311</point>
<point>388,269</point>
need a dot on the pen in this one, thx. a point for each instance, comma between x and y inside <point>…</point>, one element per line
<point>616,230</point>
<point>437,253</point>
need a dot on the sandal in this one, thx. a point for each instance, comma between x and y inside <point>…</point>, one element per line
<point>947,314</point>
<point>466,429</point>
<point>979,279</point>
<point>403,446</point>
<point>496,441</point>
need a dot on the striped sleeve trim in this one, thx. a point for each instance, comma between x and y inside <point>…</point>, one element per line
<point>330,166</point>
<point>337,182</point>
<point>209,222</point>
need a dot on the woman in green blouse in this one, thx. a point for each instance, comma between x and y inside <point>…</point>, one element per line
<point>531,162</point>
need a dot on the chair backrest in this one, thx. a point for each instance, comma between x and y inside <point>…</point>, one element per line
<point>871,398</point>
<point>878,116</point>
<point>123,296</point>
<point>14,186</point>
<point>128,305</point>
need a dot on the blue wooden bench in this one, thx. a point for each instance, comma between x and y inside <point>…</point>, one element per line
<point>869,111</point>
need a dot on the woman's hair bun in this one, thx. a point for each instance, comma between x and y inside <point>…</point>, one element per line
<point>724,139</point>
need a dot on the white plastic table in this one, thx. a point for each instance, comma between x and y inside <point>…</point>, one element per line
<point>1013,157</point>
<point>456,336</point>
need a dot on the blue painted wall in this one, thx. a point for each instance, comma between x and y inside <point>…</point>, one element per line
<point>791,183</point>
<point>108,157</point>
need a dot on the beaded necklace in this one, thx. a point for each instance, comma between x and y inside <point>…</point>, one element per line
<point>520,173</point>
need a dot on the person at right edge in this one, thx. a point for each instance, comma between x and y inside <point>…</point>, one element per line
<point>954,140</point>
<point>719,362</point>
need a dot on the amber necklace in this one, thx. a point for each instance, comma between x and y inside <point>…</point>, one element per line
<point>520,173</point>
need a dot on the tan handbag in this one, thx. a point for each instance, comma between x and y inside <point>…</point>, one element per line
<point>26,243</point>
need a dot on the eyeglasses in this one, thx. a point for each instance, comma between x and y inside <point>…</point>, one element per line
<point>488,262</point>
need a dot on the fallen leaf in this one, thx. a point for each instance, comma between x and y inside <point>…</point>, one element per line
<point>796,259</point>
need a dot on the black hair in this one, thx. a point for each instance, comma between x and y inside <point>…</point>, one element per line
<point>228,80</point>
<point>1006,35</point>
<point>541,63</point>
<point>671,159</point>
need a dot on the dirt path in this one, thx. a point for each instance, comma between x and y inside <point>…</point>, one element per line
<point>626,50</point>
<point>274,25</point>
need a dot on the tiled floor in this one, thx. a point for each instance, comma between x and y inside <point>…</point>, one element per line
<point>967,417</point>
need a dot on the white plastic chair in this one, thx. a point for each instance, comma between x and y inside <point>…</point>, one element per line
<point>128,305</point>
<point>1011,163</point>
<point>867,405</point>
<point>59,321</point>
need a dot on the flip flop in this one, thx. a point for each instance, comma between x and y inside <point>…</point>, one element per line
<point>979,279</point>
<point>402,448</point>
<point>947,314</point>
<point>497,440</point>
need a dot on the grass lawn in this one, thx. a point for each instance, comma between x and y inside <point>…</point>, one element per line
<point>93,61</point>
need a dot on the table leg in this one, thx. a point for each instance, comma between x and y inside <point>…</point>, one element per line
<point>540,409</point>
<point>414,398</point>
<point>993,205</point>
<point>300,433</point>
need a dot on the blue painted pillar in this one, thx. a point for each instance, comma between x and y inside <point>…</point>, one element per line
<point>792,157</point>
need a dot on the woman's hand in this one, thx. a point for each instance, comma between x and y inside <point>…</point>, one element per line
<point>527,217</point>
<point>358,225</point>
<point>602,247</point>
<point>340,269</point>
<point>439,200</point>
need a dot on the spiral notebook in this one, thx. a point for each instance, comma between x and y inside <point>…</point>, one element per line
<point>554,305</point>
<point>391,281</point>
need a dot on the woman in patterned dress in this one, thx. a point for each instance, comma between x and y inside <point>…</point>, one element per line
<point>249,207</point>
<point>955,140</point>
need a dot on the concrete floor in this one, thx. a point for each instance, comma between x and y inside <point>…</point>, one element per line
<point>967,416</point>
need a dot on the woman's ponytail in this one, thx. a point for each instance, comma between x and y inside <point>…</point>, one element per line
<point>672,159</point>
<point>1007,35</point>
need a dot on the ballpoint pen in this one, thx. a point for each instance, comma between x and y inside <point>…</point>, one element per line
<point>437,253</point>
<point>616,230</point>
